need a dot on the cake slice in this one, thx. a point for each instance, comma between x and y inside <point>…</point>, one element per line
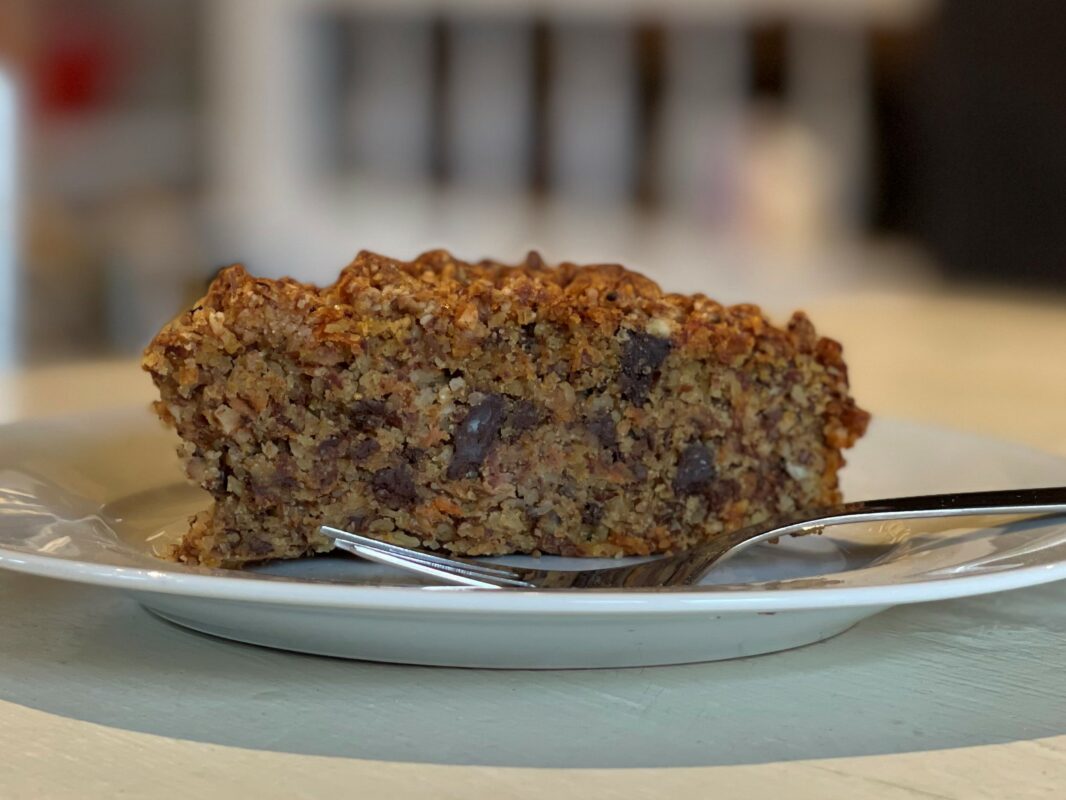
<point>487,409</point>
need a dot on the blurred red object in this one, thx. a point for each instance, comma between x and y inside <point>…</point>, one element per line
<point>77,60</point>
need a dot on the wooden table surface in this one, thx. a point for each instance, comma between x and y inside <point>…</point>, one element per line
<point>958,699</point>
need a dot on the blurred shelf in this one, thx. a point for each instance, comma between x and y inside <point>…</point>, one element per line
<point>101,152</point>
<point>311,234</point>
<point>868,11</point>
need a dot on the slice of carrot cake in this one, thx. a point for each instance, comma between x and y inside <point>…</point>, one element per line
<point>487,409</point>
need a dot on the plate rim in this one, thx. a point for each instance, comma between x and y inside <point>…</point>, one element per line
<point>554,602</point>
<point>441,599</point>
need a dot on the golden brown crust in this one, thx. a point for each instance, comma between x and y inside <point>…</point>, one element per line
<point>300,405</point>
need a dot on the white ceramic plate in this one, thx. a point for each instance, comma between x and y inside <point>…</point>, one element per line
<point>88,498</point>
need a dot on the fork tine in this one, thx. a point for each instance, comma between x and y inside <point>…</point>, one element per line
<point>494,570</point>
<point>442,572</point>
<point>388,559</point>
<point>498,581</point>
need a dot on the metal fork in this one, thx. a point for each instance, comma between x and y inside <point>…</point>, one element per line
<point>688,567</point>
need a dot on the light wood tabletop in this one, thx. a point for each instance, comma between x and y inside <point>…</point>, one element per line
<point>957,699</point>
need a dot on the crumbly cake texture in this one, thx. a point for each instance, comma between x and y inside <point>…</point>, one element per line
<point>490,409</point>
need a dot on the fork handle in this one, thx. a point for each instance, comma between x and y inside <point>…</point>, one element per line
<point>1029,502</point>
<point>1050,500</point>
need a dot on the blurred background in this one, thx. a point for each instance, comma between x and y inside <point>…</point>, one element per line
<point>773,151</point>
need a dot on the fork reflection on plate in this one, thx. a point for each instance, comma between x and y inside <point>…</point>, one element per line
<point>688,567</point>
